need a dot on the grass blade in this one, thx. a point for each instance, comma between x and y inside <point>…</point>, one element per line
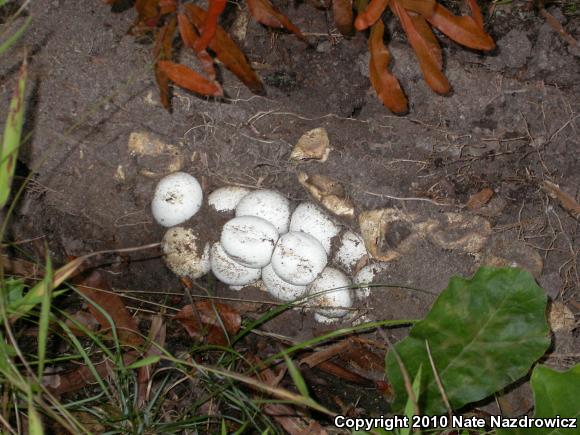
<point>15,37</point>
<point>12,133</point>
<point>44,317</point>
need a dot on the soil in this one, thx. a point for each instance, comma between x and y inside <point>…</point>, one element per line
<point>510,123</point>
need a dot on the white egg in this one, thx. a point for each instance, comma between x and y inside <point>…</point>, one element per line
<point>266,204</point>
<point>184,253</point>
<point>334,294</point>
<point>226,199</point>
<point>366,276</point>
<point>177,197</point>
<point>311,219</point>
<point>228,271</point>
<point>279,288</point>
<point>298,258</point>
<point>249,240</point>
<point>350,251</point>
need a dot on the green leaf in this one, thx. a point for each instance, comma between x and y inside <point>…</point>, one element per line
<point>147,361</point>
<point>14,37</point>
<point>484,333</point>
<point>34,420</point>
<point>556,393</point>
<point>11,140</point>
<point>297,377</point>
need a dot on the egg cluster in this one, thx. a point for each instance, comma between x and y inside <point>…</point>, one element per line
<point>289,251</point>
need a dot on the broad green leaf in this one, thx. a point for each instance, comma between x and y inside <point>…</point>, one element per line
<point>11,139</point>
<point>484,333</point>
<point>555,394</point>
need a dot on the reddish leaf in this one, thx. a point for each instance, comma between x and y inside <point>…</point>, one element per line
<point>265,13</point>
<point>423,7</point>
<point>479,199</point>
<point>227,51</point>
<point>429,39</point>
<point>476,13</point>
<point>385,84</point>
<point>167,6</point>
<point>342,373</point>
<point>97,289</point>
<point>463,30</point>
<point>163,50</point>
<point>371,14</point>
<point>430,67</point>
<point>190,38</point>
<point>147,14</point>
<point>188,79</point>
<point>343,15</point>
<point>215,9</point>
<point>201,321</point>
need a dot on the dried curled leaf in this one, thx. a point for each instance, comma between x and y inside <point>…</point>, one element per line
<point>162,51</point>
<point>227,51</point>
<point>215,9</point>
<point>385,84</point>
<point>371,14</point>
<point>265,13</point>
<point>212,322</point>
<point>467,31</point>
<point>147,15</point>
<point>423,7</point>
<point>188,79</point>
<point>425,49</point>
<point>343,15</point>
<point>190,39</point>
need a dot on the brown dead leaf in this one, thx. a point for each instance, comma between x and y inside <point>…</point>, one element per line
<point>163,50</point>
<point>227,51</point>
<point>384,83</point>
<point>479,199</point>
<point>187,78</point>
<point>190,38</point>
<point>463,30</point>
<point>423,7</point>
<point>312,359</point>
<point>340,372</point>
<point>267,14</point>
<point>96,288</point>
<point>147,15</point>
<point>312,145</point>
<point>343,16</point>
<point>557,26</point>
<point>371,14</point>
<point>21,268</point>
<point>210,321</point>
<point>566,200</point>
<point>425,51</point>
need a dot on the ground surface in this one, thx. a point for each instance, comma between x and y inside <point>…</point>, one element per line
<point>511,123</point>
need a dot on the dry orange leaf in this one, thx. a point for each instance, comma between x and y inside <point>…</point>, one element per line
<point>266,13</point>
<point>428,62</point>
<point>479,199</point>
<point>190,37</point>
<point>371,14</point>
<point>467,31</point>
<point>188,79</point>
<point>215,9</point>
<point>162,51</point>
<point>385,84</point>
<point>97,289</point>
<point>227,51</point>
<point>201,321</point>
<point>343,15</point>
<point>423,7</point>
<point>147,13</point>
<point>433,47</point>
